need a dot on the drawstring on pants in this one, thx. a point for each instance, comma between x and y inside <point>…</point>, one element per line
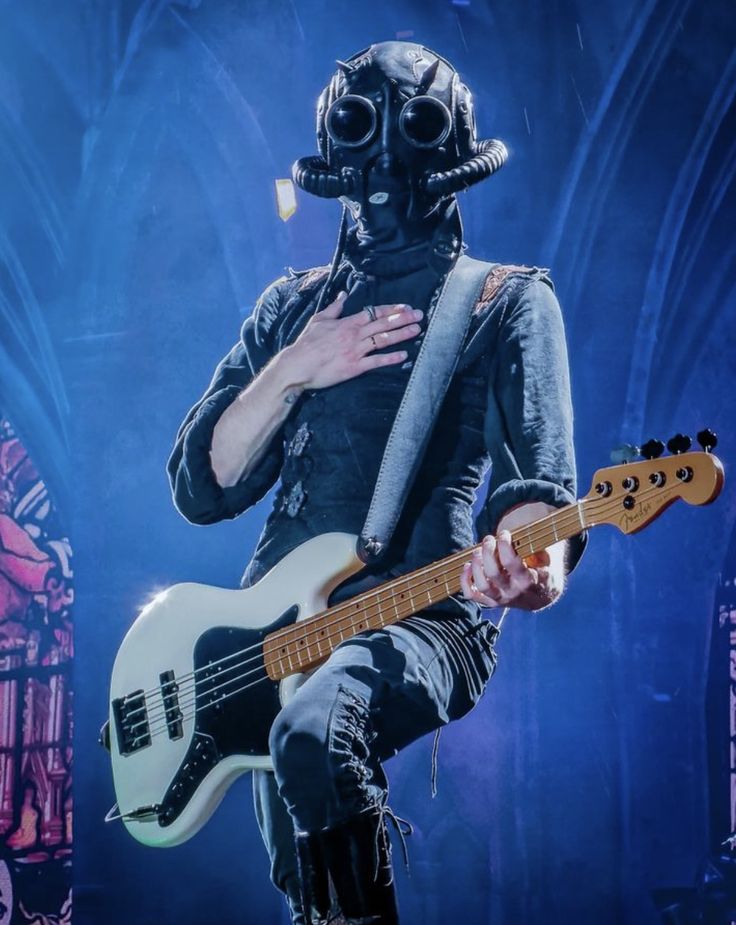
<point>491,631</point>
<point>404,829</point>
<point>435,757</point>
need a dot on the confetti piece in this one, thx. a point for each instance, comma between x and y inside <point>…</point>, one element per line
<point>286,199</point>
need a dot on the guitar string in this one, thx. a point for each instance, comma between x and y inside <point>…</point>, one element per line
<point>427,580</point>
<point>382,588</point>
<point>154,721</point>
<point>569,517</point>
<point>600,503</point>
<point>564,517</point>
<point>598,506</point>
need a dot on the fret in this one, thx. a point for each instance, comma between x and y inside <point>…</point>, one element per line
<point>393,600</point>
<point>304,646</point>
<point>301,648</point>
<point>357,621</point>
<point>405,595</point>
<point>386,617</point>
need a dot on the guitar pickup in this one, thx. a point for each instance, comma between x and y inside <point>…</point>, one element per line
<point>172,711</point>
<point>130,714</point>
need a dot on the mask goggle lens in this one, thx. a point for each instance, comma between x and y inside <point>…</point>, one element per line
<point>425,122</point>
<point>351,121</point>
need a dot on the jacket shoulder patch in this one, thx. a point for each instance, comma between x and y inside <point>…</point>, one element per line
<point>495,280</point>
<point>310,278</point>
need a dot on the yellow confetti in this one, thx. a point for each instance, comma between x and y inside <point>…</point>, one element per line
<point>286,199</point>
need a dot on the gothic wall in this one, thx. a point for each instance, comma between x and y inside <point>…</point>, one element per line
<point>139,144</point>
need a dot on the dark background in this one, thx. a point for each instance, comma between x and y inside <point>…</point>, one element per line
<point>139,143</point>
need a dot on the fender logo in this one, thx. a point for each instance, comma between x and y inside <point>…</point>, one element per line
<point>643,510</point>
<point>632,518</point>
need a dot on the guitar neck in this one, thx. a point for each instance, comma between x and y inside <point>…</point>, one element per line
<point>309,642</point>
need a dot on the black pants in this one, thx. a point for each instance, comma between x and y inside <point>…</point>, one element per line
<point>376,693</point>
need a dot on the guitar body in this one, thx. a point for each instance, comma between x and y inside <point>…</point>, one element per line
<point>171,765</point>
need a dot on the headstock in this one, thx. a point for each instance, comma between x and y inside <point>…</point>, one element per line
<point>633,494</point>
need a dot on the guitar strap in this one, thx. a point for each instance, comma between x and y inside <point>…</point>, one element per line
<point>428,383</point>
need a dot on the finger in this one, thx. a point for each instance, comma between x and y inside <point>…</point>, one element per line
<point>334,309</point>
<point>491,566</point>
<point>465,579</point>
<point>396,319</point>
<point>507,555</point>
<point>543,576</point>
<point>479,576</point>
<point>481,579</point>
<point>388,338</point>
<point>375,360</point>
<point>382,311</point>
<point>472,594</point>
<point>520,575</point>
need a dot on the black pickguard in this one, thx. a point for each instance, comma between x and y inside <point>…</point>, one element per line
<point>229,721</point>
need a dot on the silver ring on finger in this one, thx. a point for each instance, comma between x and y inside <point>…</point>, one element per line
<point>371,309</point>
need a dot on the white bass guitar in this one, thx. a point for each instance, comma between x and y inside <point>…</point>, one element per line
<point>202,672</point>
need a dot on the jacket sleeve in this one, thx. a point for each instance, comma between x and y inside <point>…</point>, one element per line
<point>529,422</point>
<point>197,494</point>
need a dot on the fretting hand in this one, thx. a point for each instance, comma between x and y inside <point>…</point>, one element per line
<point>497,577</point>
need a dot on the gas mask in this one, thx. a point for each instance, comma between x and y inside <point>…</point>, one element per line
<point>396,135</point>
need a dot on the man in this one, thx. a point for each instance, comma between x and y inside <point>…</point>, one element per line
<point>309,395</point>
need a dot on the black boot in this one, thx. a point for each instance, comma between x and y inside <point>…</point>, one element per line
<point>313,879</point>
<point>358,857</point>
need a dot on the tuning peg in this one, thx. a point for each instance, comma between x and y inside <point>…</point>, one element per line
<point>708,440</point>
<point>680,443</point>
<point>652,449</point>
<point>624,454</point>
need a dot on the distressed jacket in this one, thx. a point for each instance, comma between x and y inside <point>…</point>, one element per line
<point>508,406</point>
